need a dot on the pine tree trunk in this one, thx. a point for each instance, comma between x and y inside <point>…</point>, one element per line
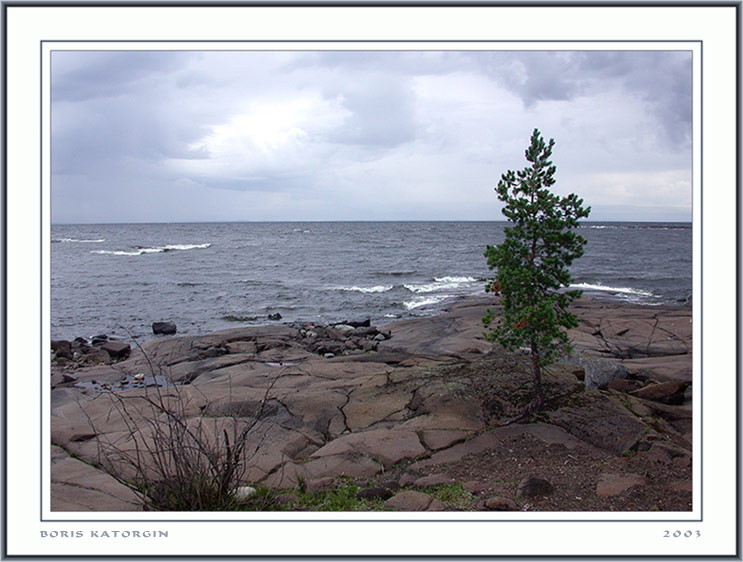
<point>536,369</point>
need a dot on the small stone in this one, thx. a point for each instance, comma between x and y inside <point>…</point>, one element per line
<point>409,501</point>
<point>408,478</point>
<point>380,337</point>
<point>319,484</point>
<point>329,355</point>
<point>432,480</point>
<point>274,316</point>
<point>532,487</point>
<point>474,487</point>
<point>244,492</point>
<point>376,493</point>
<point>498,503</point>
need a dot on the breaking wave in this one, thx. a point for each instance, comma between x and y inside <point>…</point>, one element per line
<point>375,289</point>
<point>158,250</point>
<point>604,288</point>
<point>94,241</point>
<point>440,283</point>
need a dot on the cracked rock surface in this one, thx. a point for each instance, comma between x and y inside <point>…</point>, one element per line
<point>410,395</point>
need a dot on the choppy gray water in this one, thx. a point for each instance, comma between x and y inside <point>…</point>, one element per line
<point>211,276</point>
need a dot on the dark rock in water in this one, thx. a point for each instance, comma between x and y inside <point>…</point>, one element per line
<point>165,328</point>
<point>535,487</point>
<point>80,340</point>
<point>274,316</point>
<point>359,323</point>
<point>62,348</point>
<point>117,349</point>
<point>98,340</point>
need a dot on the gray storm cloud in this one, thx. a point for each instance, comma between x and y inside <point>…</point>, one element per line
<point>274,135</point>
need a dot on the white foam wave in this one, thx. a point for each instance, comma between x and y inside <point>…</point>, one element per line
<point>424,301</point>
<point>622,290</point>
<point>439,284</point>
<point>158,250</point>
<point>95,241</point>
<point>375,289</point>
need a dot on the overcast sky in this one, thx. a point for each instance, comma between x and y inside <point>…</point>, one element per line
<point>246,136</point>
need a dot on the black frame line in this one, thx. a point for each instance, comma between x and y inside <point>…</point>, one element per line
<point>283,520</point>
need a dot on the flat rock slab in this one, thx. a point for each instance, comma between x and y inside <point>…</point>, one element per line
<point>492,439</point>
<point>601,421</point>
<point>389,446</point>
<point>616,484</point>
<point>77,486</point>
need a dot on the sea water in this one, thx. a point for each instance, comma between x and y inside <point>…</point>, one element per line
<point>119,278</point>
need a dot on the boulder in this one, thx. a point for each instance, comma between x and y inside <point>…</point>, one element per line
<point>274,316</point>
<point>599,372</point>
<point>624,385</point>
<point>164,328</point>
<point>366,332</point>
<point>62,348</point>
<point>344,329</point>
<point>671,392</point>
<point>97,356</point>
<point>532,487</point>
<point>117,349</point>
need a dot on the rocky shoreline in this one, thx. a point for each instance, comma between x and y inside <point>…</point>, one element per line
<point>403,411</point>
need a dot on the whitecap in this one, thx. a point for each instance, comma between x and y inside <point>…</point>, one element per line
<point>158,250</point>
<point>375,289</point>
<point>440,283</point>
<point>455,279</point>
<point>93,240</point>
<point>623,290</point>
<point>424,301</point>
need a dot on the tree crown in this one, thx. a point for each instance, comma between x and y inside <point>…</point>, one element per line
<point>532,262</point>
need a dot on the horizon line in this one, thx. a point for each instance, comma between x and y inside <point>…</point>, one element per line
<point>348,221</point>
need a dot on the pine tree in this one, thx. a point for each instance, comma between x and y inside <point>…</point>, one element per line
<point>532,263</point>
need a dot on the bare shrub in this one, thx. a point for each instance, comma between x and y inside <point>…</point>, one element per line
<point>173,454</point>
